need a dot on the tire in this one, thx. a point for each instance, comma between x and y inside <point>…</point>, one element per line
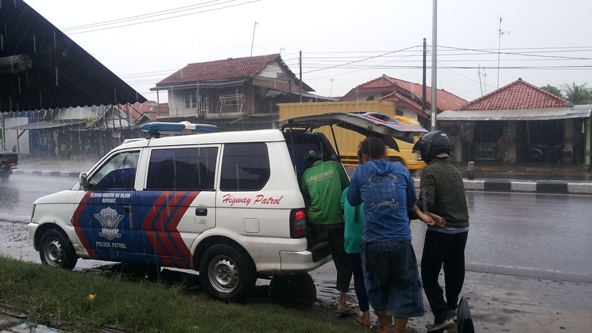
<point>56,250</point>
<point>226,274</point>
<point>4,175</point>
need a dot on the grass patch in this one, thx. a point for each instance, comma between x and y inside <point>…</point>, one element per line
<point>58,298</point>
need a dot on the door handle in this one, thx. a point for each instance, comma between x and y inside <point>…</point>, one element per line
<point>127,209</point>
<point>201,211</point>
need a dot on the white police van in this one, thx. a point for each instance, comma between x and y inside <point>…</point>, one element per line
<point>226,204</point>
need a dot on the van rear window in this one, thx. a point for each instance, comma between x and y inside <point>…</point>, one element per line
<point>245,167</point>
<point>182,169</point>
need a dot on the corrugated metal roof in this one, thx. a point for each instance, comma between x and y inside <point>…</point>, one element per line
<point>61,74</point>
<point>578,111</point>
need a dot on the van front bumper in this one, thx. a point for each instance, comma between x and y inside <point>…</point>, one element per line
<point>32,228</point>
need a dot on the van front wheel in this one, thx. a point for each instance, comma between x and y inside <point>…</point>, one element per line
<point>56,250</point>
<point>226,274</point>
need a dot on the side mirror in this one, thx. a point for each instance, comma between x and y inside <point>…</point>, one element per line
<point>83,181</point>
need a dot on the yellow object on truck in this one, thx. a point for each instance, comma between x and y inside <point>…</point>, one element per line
<point>347,141</point>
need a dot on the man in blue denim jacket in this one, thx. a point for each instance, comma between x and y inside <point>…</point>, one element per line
<point>389,263</point>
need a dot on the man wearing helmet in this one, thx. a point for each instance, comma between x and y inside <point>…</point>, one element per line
<point>442,195</point>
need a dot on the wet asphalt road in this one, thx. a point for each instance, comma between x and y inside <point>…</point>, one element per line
<point>530,235</point>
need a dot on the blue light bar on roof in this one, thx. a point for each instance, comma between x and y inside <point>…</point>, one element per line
<point>184,126</point>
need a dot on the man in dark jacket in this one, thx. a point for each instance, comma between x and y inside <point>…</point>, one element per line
<point>442,195</point>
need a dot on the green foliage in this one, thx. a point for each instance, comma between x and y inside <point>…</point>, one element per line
<point>553,90</point>
<point>578,94</point>
<point>59,299</point>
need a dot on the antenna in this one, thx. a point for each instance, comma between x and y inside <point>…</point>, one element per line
<point>253,40</point>
<point>485,80</point>
<point>499,43</point>
<point>479,73</point>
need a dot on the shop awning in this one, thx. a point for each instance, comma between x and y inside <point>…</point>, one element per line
<point>46,125</point>
<point>578,111</point>
<point>42,68</point>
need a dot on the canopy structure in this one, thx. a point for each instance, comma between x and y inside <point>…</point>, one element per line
<point>578,111</point>
<point>42,68</point>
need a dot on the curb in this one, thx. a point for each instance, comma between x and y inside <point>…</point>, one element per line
<point>555,187</point>
<point>72,174</point>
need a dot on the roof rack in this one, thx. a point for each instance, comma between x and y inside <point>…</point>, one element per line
<point>156,128</point>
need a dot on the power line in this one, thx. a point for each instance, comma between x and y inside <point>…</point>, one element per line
<point>367,58</point>
<point>131,18</point>
<point>119,23</point>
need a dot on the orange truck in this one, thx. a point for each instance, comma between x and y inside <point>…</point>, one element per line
<point>348,141</point>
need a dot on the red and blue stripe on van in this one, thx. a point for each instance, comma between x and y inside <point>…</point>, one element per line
<point>147,233</point>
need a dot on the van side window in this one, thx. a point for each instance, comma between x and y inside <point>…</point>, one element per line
<point>245,167</point>
<point>119,172</point>
<point>182,169</point>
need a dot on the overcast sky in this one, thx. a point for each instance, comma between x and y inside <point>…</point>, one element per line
<point>344,43</point>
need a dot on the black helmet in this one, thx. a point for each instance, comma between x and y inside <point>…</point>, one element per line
<point>432,144</point>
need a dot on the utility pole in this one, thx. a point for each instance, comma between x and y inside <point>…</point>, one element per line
<point>300,65</point>
<point>434,63</point>
<point>331,93</point>
<point>423,88</point>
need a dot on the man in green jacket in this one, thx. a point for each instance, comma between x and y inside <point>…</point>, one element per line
<point>322,184</point>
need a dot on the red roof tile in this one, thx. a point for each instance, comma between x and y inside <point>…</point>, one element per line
<point>400,99</point>
<point>231,68</point>
<point>517,95</point>
<point>392,97</point>
<point>446,100</point>
<point>152,109</point>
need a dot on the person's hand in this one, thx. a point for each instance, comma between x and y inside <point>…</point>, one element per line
<point>426,218</point>
<point>439,221</point>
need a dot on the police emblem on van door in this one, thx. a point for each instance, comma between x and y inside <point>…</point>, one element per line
<point>109,220</point>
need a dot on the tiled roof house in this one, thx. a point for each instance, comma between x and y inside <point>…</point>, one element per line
<point>407,96</point>
<point>519,122</point>
<point>232,88</point>
<point>515,96</point>
<point>150,110</point>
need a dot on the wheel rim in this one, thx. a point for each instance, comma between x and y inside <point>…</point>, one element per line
<point>223,274</point>
<point>53,251</point>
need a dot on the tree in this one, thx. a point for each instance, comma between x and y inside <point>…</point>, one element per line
<point>578,94</point>
<point>553,90</point>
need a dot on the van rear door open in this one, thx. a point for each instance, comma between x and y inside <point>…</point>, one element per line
<point>367,124</point>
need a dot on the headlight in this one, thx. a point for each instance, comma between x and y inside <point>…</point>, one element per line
<point>32,212</point>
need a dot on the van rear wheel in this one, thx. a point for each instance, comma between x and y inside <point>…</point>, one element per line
<point>56,250</point>
<point>226,274</point>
